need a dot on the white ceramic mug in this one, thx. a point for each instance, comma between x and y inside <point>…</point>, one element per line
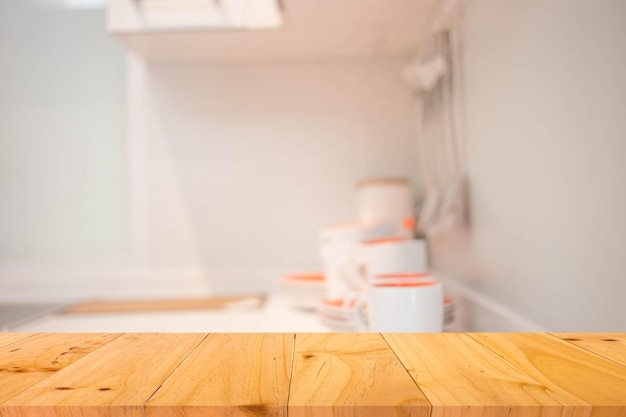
<point>394,256</point>
<point>384,198</point>
<point>384,257</point>
<point>400,307</point>
<point>340,249</point>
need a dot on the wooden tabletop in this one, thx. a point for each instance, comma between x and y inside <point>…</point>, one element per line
<point>317,374</point>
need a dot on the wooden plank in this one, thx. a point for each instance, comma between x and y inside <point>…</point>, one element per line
<point>229,375</point>
<point>30,360</point>
<point>460,377</point>
<point>115,380</point>
<point>611,346</point>
<point>7,338</point>
<point>125,306</point>
<point>351,375</point>
<point>331,375</point>
<point>566,370</point>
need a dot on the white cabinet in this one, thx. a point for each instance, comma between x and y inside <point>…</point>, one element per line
<point>231,31</point>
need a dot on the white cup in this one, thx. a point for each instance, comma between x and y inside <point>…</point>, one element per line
<point>387,198</point>
<point>400,307</point>
<point>384,257</point>
<point>394,256</point>
<point>340,251</point>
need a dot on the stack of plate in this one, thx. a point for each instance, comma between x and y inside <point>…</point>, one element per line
<point>304,291</point>
<point>336,316</point>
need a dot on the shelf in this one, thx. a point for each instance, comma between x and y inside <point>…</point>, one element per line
<point>311,30</point>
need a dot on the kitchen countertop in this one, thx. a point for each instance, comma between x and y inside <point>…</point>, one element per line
<point>276,315</point>
<point>14,314</point>
<point>312,374</point>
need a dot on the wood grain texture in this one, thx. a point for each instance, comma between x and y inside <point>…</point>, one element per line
<point>32,359</point>
<point>611,346</point>
<point>116,380</point>
<point>575,375</point>
<point>8,338</point>
<point>460,377</point>
<point>229,375</point>
<point>121,306</point>
<point>351,375</point>
<point>340,374</point>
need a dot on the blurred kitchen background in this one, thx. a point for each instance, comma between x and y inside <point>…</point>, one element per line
<point>168,162</point>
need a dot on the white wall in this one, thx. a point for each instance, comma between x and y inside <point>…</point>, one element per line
<point>241,165</point>
<point>153,180</point>
<point>62,153</point>
<point>546,115</point>
<point>64,214</point>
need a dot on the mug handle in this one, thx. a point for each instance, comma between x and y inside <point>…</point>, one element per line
<point>348,301</point>
<point>357,313</point>
<point>352,270</point>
